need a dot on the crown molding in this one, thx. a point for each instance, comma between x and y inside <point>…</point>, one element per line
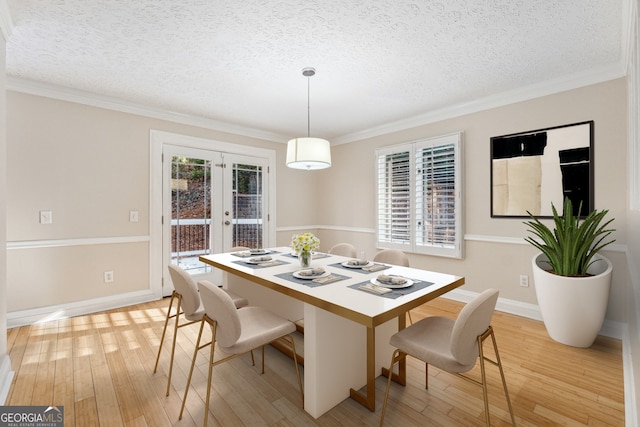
<point>550,87</point>
<point>562,84</point>
<point>31,87</point>
<point>6,23</point>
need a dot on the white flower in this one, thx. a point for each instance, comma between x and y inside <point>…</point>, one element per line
<point>304,242</point>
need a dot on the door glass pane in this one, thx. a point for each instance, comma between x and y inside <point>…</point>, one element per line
<point>190,212</point>
<point>247,205</point>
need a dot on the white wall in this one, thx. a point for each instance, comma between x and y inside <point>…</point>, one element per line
<point>5,364</point>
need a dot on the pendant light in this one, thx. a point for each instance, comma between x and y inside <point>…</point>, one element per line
<point>306,152</point>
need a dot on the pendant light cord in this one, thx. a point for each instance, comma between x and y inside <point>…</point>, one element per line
<point>308,106</point>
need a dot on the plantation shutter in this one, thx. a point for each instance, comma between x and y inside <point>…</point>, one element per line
<point>419,196</point>
<point>394,197</point>
<point>436,196</point>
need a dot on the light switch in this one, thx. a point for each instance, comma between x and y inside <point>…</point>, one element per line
<point>46,217</point>
<point>133,216</point>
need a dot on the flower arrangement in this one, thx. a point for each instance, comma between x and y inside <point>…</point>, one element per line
<point>304,242</point>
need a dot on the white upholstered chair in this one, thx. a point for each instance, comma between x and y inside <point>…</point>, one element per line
<point>236,332</point>
<point>452,345</point>
<point>344,249</point>
<point>394,257</point>
<point>189,306</point>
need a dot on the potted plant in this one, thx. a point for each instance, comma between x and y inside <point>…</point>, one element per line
<point>572,280</point>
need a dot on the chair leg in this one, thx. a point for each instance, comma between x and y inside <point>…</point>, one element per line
<point>164,330</point>
<point>292,343</point>
<point>484,382</point>
<point>489,333</point>
<point>504,381</point>
<point>426,376</point>
<point>213,340</point>
<point>395,358</point>
<point>173,347</point>
<point>410,319</point>
<point>193,363</point>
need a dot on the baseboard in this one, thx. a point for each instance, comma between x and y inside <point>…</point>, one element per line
<point>61,311</point>
<point>6,377</point>
<point>531,311</point>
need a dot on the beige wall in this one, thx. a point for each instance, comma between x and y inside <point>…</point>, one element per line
<point>3,198</point>
<point>490,263</point>
<point>90,166</point>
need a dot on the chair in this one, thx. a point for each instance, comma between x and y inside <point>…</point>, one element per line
<point>237,332</point>
<point>452,345</point>
<point>392,256</point>
<point>343,249</point>
<point>186,294</point>
<point>395,257</point>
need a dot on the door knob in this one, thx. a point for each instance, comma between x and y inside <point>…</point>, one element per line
<point>227,222</point>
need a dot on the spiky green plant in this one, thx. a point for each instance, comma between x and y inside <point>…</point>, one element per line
<point>571,245</point>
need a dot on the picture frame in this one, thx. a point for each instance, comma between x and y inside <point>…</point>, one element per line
<point>532,170</point>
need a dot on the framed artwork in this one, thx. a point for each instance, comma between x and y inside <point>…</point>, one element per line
<point>531,170</point>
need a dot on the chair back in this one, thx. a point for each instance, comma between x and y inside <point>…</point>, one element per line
<point>474,319</point>
<point>392,256</point>
<point>344,249</point>
<point>186,287</point>
<point>219,306</point>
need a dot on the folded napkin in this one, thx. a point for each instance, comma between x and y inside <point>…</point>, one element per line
<point>311,271</point>
<point>260,259</point>
<point>391,280</point>
<point>375,289</point>
<point>357,262</point>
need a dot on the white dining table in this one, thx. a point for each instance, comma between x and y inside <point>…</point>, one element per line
<point>346,328</point>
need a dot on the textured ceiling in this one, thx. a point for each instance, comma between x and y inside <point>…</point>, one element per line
<point>377,61</point>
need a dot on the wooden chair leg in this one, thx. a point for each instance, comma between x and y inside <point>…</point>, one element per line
<point>173,346</point>
<point>504,381</point>
<point>164,330</point>
<point>193,363</point>
<point>395,357</point>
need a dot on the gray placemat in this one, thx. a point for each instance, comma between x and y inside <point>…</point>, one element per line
<point>246,254</point>
<point>308,282</point>
<point>395,293</point>
<point>317,255</point>
<point>359,270</point>
<point>272,263</point>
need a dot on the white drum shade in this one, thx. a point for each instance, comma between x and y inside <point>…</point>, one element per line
<point>308,153</point>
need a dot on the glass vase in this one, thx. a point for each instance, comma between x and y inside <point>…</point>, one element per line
<point>305,259</point>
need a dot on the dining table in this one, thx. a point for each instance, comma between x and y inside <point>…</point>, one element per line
<point>349,308</point>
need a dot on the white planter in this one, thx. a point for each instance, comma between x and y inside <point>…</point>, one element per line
<point>573,308</point>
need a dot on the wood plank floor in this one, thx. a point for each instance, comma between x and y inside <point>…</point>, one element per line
<point>100,368</point>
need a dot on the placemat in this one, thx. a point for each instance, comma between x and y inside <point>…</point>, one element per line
<point>247,254</point>
<point>359,270</point>
<point>395,293</point>
<point>272,263</point>
<point>311,283</point>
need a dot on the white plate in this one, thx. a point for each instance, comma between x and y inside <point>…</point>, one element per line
<point>296,274</point>
<point>259,251</point>
<point>347,265</point>
<point>404,285</point>
<point>249,261</point>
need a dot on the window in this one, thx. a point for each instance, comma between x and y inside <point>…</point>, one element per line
<point>419,193</point>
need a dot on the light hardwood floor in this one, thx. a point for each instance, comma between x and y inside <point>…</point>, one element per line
<point>100,368</point>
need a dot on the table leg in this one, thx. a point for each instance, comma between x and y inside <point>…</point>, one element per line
<point>369,398</point>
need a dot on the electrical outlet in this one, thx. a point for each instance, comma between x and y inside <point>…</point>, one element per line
<point>108,276</point>
<point>46,217</point>
<point>524,280</point>
<point>133,216</point>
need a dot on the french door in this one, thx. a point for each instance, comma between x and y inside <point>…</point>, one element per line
<point>212,201</point>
